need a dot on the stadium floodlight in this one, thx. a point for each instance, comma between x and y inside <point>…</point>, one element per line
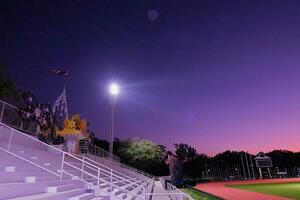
<point>114,89</point>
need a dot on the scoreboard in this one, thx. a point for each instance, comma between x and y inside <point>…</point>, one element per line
<point>263,162</point>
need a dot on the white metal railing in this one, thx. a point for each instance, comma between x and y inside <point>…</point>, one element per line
<point>10,116</point>
<point>99,152</point>
<point>103,153</point>
<point>136,170</point>
<point>47,157</point>
<point>162,181</point>
<point>90,171</point>
<point>16,143</point>
<point>172,192</point>
<point>13,117</point>
<point>177,194</point>
<point>125,169</point>
<point>11,141</point>
<point>171,196</point>
<point>123,177</point>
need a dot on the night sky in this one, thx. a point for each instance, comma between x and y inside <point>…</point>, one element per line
<point>216,75</point>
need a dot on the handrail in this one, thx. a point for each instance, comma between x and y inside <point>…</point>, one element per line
<point>14,107</point>
<point>96,150</point>
<point>171,187</point>
<point>112,170</point>
<point>171,195</point>
<point>115,157</point>
<point>55,174</point>
<point>5,103</point>
<point>103,180</point>
<point>37,140</point>
<point>152,188</point>
<point>90,184</point>
<point>137,175</point>
<point>106,166</point>
<point>132,170</point>
<point>9,104</point>
<point>74,157</point>
<point>37,165</point>
<point>136,170</point>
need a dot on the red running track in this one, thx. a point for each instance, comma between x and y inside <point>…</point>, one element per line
<point>221,190</point>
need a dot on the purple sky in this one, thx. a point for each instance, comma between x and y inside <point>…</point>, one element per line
<point>217,75</point>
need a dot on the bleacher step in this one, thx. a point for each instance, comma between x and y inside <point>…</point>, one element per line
<point>29,180</point>
<point>86,196</point>
<point>10,169</point>
<point>33,179</point>
<point>52,196</point>
<point>60,188</point>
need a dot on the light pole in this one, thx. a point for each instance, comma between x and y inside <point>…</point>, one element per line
<point>114,91</point>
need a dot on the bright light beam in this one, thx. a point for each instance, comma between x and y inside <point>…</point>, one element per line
<point>114,89</point>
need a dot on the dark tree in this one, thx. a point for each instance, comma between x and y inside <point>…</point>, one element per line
<point>9,91</point>
<point>144,155</point>
<point>184,152</point>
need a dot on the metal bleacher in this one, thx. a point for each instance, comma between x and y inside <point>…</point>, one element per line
<point>31,169</point>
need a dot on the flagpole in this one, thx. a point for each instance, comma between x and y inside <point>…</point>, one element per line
<point>66,109</point>
<point>63,96</point>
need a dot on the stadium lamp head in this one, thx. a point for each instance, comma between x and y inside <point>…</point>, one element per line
<point>114,89</point>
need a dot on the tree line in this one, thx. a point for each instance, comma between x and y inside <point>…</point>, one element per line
<point>150,157</point>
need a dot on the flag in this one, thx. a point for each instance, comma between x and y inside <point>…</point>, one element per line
<point>60,106</point>
<point>61,72</point>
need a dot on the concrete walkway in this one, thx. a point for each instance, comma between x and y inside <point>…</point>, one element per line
<point>158,188</point>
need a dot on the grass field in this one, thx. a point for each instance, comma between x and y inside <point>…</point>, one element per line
<point>197,195</point>
<point>290,190</point>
